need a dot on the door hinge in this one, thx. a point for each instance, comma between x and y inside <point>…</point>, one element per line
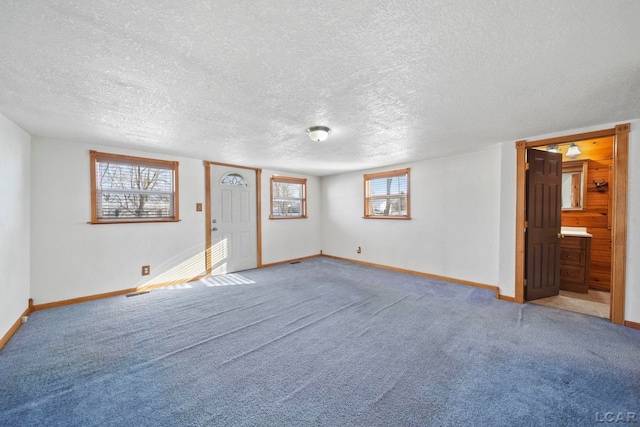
<point>526,166</point>
<point>526,225</point>
<point>525,283</point>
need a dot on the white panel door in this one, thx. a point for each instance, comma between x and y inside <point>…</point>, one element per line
<point>233,228</point>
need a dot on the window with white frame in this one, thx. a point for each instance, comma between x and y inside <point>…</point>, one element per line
<point>386,195</point>
<point>288,197</point>
<point>132,189</point>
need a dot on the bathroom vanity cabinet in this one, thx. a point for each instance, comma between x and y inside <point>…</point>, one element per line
<point>575,256</point>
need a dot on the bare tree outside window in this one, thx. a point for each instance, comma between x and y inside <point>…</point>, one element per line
<point>288,197</point>
<point>135,191</point>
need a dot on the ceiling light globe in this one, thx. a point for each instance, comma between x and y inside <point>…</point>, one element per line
<point>573,151</point>
<point>318,133</point>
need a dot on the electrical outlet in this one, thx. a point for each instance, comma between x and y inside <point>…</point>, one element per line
<point>359,250</point>
<point>198,207</point>
<point>146,270</point>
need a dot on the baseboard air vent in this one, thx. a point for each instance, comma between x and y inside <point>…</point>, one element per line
<point>135,294</point>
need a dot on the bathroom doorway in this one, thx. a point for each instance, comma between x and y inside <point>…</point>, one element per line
<point>585,234</point>
<point>615,217</point>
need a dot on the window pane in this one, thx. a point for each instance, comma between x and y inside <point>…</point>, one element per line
<point>387,194</point>
<point>285,189</point>
<point>388,206</point>
<point>287,199</point>
<point>383,186</point>
<point>287,207</point>
<point>130,191</point>
<point>234,179</point>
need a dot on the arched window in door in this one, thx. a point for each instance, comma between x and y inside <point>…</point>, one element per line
<point>233,178</point>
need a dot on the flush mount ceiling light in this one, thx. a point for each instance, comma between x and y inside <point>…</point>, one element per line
<point>552,148</point>
<point>318,133</point>
<point>573,151</point>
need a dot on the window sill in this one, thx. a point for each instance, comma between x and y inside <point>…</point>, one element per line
<point>131,221</point>
<point>387,217</point>
<point>288,217</point>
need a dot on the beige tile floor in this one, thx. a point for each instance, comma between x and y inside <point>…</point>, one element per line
<point>595,303</point>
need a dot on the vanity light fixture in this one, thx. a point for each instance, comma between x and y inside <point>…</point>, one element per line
<point>573,150</point>
<point>318,133</point>
<point>552,148</point>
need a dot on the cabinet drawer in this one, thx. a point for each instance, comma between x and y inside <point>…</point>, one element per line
<point>574,242</point>
<point>572,256</point>
<point>571,274</point>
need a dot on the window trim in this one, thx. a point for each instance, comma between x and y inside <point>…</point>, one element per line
<point>289,180</point>
<point>96,156</point>
<point>387,174</point>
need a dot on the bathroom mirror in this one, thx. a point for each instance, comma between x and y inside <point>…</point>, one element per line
<point>574,184</point>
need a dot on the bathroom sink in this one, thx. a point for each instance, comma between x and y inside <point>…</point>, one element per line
<point>575,231</point>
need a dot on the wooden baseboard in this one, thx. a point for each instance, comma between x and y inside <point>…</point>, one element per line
<point>289,261</point>
<point>71,301</point>
<point>419,273</point>
<point>630,324</point>
<point>79,300</point>
<point>5,339</point>
<point>506,298</point>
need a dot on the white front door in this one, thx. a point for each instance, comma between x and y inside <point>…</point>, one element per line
<point>233,228</point>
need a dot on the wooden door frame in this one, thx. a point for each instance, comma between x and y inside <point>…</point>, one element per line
<point>207,213</point>
<point>619,186</point>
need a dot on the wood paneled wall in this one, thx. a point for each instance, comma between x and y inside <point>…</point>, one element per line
<point>597,216</point>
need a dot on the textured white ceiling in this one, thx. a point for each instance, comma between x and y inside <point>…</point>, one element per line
<point>239,81</point>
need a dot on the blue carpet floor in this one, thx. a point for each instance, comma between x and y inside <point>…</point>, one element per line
<point>319,343</point>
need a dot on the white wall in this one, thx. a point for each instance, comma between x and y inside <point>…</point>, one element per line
<point>455,225</point>
<point>70,258</point>
<point>286,239</point>
<point>15,151</point>
<point>507,213</point>
<point>507,260</point>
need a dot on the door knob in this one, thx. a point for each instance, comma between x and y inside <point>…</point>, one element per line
<point>214,229</point>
